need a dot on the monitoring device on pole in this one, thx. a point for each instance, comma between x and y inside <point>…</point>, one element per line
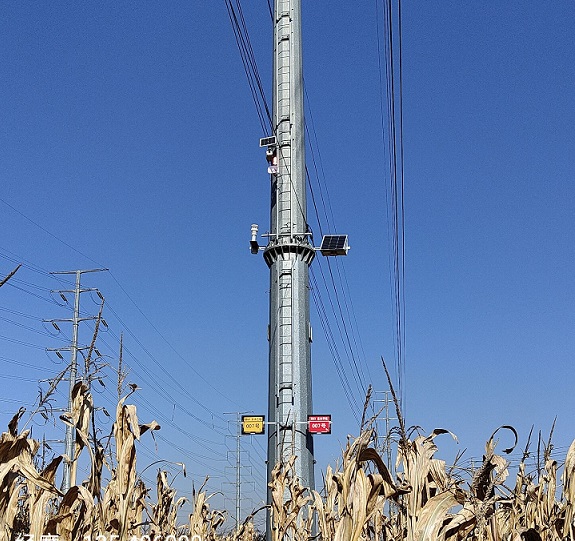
<point>271,153</point>
<point>332,245</point>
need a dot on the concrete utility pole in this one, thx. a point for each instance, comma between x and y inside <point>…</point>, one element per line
<point>288,255</point>
<point>69,438</point>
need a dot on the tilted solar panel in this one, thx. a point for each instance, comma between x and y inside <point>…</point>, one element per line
<point>334,245</point>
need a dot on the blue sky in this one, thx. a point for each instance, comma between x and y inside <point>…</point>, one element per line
<point>129,141</point>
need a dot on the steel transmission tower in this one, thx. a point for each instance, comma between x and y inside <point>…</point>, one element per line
<point>69,469</point>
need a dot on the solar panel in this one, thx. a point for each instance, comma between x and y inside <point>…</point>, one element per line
<point>268,141</point>
<point>334,245</point>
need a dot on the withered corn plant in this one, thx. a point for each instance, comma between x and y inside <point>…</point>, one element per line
<point>361,500</point>
<point>164,513</point>
<point>204,521</point>
<point>531,510</point>
<point>19,478</point>
<point>30,502</point>
<point>289,513</point>
<point>426,502</point>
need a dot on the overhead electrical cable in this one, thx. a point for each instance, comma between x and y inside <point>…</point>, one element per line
<point>182,389</point>
<point>21,363</point>
<point>354,329</point>
<point>144,404</point>
<point>21,342</point>
<point>358,374</point>
<point>21,314</point>
<point>251,70</point>
<point>169,344</point>
<point>332,345</point>
<point>32,329</point>
<point>392,139</point>
<point>356,354</point>
<point>48,232</point>
<point>28,286</point>
<point>313,143</point>
<point>31,293</point>
<point>244,45</point>
<point>345,330</point>
<point>400,24</point>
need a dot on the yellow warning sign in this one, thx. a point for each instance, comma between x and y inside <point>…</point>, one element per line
<point>253,424</point>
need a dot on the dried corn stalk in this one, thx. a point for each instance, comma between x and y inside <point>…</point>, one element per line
<point>203,521</point>
<point>568,479</point>
<point>16,470</point>
<point>352,506</point>
<point>361,495</point>
<point>430,491</point>
<point>123,502</point>
<point>289,498</point>
<point>165,512</point>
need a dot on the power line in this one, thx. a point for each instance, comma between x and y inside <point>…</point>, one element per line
<point>332,345</point>
<point>244,45</point>
<point>48,232</point>
<point>392,134</point>
<point>208,445</point>
<point>177,383</point>
<point>152,380</point>
<point>21,363</point>
<point>355,355</point>
<point>358,371</point>
<point>165,340</point>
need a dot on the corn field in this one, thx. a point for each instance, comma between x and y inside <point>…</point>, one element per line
<point>361,500</point>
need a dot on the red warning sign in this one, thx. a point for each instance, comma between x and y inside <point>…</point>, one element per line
<point>319,424</point>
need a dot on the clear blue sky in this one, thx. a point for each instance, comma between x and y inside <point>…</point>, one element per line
<point>129,138</point>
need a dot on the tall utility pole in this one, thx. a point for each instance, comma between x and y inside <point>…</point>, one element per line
<point>288,255</point>
<point>69,438</point>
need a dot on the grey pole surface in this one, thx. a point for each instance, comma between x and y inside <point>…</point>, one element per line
<point>288,254</point>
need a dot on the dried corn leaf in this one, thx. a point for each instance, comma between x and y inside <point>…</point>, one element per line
<point>434,513</point>
<point>460,524</point>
